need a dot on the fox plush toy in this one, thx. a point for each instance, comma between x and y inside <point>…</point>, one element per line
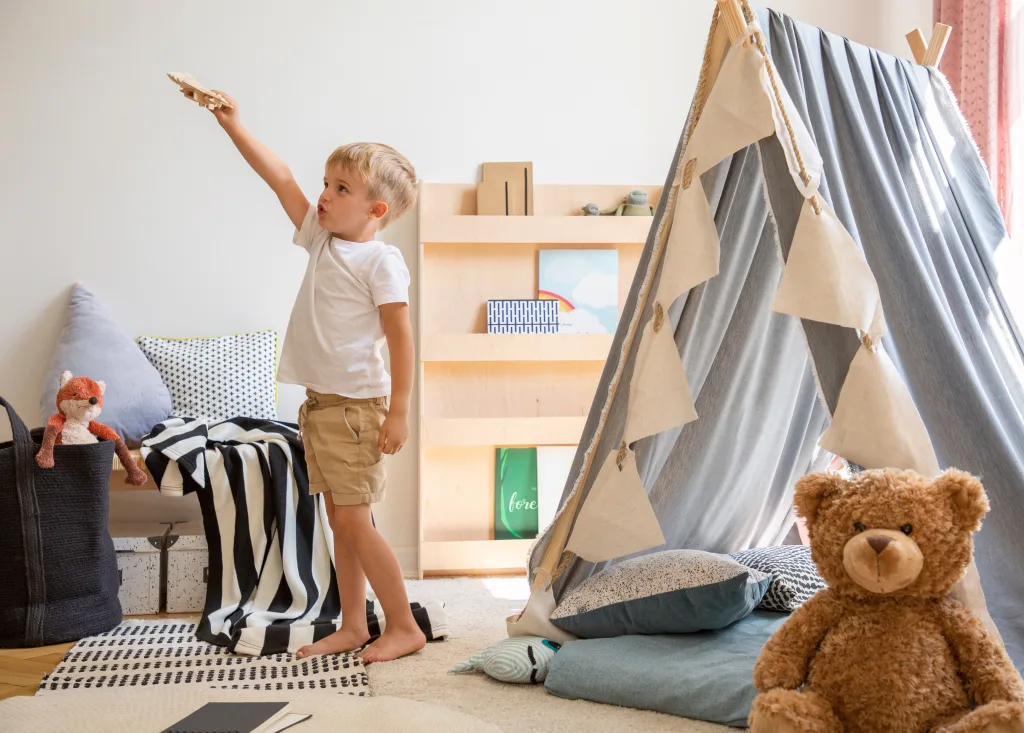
<point>79,403</point>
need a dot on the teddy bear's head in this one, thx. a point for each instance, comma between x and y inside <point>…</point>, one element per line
<point>890,531</point>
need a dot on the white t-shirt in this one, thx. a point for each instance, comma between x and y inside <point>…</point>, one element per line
<point>335,332</point>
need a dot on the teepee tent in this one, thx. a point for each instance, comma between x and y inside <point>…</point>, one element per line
<point>818,279</point>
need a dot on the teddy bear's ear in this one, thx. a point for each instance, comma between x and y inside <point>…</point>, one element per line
<point>813,489</point>
<point>65,377</point>
<point>102,385</point>
<point>967,495</point>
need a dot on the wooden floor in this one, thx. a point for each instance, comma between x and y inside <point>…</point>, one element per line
<point>21,670</point>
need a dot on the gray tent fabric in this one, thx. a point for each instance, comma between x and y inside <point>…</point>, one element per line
<point>903,175</point>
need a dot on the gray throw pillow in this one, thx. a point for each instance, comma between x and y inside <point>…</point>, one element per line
<point>91,344</point>
<point>667,592</point>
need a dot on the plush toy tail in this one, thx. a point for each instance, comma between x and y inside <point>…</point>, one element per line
<point>466,666</point>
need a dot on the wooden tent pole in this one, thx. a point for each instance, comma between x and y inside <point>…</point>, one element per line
<point>937,45</point>
<point>733,17</point>
<point>917,45</point>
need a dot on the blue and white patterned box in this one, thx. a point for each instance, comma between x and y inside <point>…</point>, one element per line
<point>522,316</point>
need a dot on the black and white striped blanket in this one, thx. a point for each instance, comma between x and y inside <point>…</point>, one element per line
<point>272,583</point>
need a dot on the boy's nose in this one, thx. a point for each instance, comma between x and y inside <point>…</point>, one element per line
<point>93,400</point>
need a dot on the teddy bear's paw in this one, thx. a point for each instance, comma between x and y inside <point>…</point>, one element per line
<point>790,711</point>
<point>44,461</point>
<point>995,717</point>
<point>772,723</point>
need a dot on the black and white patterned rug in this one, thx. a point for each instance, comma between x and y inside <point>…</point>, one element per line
<point>154,654</point>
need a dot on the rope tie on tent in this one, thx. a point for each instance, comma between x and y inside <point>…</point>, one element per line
<point>770,68</point>
<point>865,338</point>
<point>659,317</point>
<point>566,557</point>
<point>691,164</point>
<point>621,455</point>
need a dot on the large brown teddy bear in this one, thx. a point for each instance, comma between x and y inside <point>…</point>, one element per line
<point>884,649</point>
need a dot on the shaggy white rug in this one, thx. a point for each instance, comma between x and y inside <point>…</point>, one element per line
<point>477,609</point>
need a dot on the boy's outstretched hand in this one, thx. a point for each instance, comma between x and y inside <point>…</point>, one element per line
<point>226,115</point>
<point>393,433</point>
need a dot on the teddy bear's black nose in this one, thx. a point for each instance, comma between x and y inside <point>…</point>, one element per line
<point>879,543</point>
<point>93,400</point>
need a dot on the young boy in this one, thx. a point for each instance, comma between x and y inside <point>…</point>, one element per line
<point>354,296</point>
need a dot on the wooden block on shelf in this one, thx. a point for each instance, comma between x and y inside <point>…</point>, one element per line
<point>499,198</point>
<point>518,193</point>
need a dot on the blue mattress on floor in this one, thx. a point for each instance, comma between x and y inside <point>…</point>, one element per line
<point>704,676</point>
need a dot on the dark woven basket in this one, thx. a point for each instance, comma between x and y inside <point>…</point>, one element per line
<point>59,580</point>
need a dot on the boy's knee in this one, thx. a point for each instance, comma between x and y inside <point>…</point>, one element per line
<point>351,521</point>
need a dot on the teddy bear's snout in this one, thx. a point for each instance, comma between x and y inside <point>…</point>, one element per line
<point>879,543</point>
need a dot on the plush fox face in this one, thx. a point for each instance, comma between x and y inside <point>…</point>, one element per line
<point>80,398</point>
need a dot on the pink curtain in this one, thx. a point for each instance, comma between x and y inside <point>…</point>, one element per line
<point>978,64</point>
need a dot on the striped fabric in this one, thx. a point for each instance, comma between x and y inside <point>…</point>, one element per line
<point>272,582</point>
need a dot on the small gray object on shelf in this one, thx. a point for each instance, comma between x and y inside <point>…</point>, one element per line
<point>591,209</point>
<point>634,204</point>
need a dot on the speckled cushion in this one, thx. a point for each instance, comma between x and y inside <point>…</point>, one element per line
<point>668,592</point>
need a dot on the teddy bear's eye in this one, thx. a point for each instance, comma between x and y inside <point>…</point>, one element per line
<point>906,529</point>
<point>859,527</point>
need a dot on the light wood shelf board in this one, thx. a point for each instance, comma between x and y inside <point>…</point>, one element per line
<point>493,555</point>
<point>458,485</point>
<point>482,347</point>
<point>484,230</point>
<point>503,431</point>
<point>513,389</point>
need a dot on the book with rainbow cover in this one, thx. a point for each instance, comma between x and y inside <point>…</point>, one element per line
<point>585,282</point>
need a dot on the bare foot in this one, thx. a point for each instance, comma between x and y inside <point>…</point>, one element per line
<point>342,640</point>
<point>392,644</point>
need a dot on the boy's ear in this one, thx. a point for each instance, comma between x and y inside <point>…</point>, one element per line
<point>379,209</point>
<point>812,490</point>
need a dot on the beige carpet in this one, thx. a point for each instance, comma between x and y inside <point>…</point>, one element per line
<point>148,710</point>
<point>476,616</point>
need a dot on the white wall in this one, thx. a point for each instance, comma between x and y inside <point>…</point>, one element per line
<point>109,176</point>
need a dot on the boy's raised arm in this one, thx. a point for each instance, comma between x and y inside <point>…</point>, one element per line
<point>270,168</point>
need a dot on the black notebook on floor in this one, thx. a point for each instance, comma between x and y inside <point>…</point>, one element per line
<point>238,717</point>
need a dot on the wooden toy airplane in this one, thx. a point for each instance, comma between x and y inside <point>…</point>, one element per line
<point>195,91</point>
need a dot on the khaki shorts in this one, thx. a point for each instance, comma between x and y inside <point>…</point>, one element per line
<point>340,437</point>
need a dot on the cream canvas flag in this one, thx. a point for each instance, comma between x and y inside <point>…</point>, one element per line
<point>692,251</point>
<point>617,518</point>
<point>737,112</point>
<point>826,277</point>
<point>876,423</point>
<point>659,395</point>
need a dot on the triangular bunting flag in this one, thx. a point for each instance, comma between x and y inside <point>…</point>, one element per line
<point>737,112</point>
<point>617,518</point>
<point>876,424</point>
<point>659,394</point>
<point>826,277</point>
<point>692,252</point>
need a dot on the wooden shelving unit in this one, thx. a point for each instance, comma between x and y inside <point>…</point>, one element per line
<point>479,391</point>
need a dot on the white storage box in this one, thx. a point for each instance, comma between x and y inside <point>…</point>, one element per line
<point>140,548</point>
<point>188,567</point>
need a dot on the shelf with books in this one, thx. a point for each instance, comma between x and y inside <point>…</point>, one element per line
<point>485,398</point>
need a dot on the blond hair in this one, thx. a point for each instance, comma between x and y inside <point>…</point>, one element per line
<point>387,174</point>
